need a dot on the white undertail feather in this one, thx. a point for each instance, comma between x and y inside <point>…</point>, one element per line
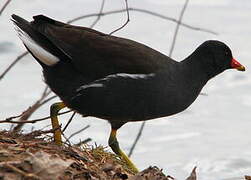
<point>39,52</point>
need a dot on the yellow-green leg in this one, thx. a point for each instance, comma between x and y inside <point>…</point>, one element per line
<point>55,108</point>
<point>114,144</point>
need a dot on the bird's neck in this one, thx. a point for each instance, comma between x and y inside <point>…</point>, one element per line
<point>194,74</point>
<point>195,67</point>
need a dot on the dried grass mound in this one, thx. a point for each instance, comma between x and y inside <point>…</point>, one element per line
<point>30,156</point>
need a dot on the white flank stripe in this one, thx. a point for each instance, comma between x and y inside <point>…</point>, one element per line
<point>129,76</point>
<point>39,52</point>
<point>95,85</point>
<point>101,82</point>
<point>132,76</point>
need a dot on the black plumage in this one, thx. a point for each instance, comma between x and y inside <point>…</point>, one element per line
<point>118,79</point>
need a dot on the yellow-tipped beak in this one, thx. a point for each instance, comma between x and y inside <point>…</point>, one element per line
<point>236,65</point>
<point>241,68</point>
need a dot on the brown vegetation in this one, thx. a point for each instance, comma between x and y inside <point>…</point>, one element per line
<point>30,156</point>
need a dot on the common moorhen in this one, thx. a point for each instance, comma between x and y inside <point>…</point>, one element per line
<point>114,78</point>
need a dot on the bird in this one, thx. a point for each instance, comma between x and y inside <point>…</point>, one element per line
<point>114,78</point>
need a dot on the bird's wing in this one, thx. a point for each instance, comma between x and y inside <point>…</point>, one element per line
<point>114,82</point>
<point>113,86</point>
<point>93,51</point>
<point>114,79</point>
<point>114,95</point>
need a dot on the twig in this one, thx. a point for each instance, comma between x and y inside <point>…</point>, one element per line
<point>12,117</point>
<point>127,20</point>
<point>83,142</point>
<point>46,91</point>
<point>137,138</point>
<point>9,120</point>
<point>48,117</point>
<point>67,142</point>
<point>146,12</point>
<point>79,131</point>
<point>69,121</point>
<point>13,63</point>
<point>177,27</point>
<point>23,122</point>
<point>99,16</point>
<point>4,6</point>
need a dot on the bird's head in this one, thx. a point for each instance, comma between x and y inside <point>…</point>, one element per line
<point>216,57</point>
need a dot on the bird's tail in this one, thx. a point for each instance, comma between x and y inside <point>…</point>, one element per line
<point>41,48</point>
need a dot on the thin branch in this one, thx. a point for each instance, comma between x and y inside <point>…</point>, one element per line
<point>69,121</point>
<point>4,6</point>
<point>48,117</point>
<point>9,119</point>
<point>46,91</point>
<point>137,138</point>
<point>99,16</point>
<point>12,117</point>
<point>13,63</point>
<point>175,21</point>
<point>177,27</point>
<point>22,122</point>
<point>127,20</point>
<point>146,12</point>
<point>67,142</point>
<point>83,142</point>
<point>79,131</point>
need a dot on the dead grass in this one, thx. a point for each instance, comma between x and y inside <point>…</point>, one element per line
<point>32,156</point>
